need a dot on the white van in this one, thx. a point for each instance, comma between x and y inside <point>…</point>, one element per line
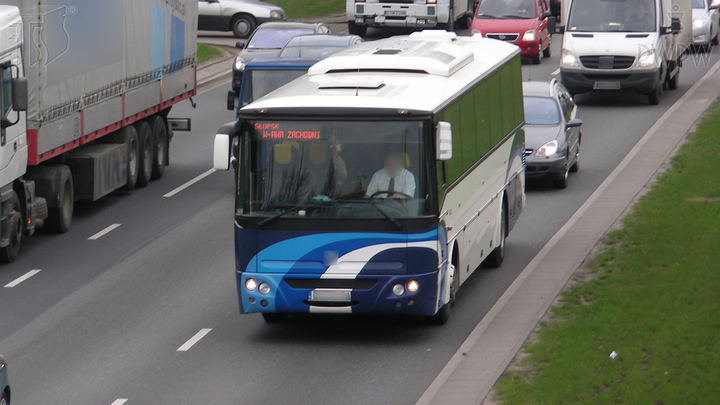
<point>629,45</point>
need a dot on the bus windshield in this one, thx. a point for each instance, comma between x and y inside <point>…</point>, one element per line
<point>259,83</point>
<point>612,15</point>
<point>338,169</point>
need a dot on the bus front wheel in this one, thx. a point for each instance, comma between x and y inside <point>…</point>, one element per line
<point>274,317</point>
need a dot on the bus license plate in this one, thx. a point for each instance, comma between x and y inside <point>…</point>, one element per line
<point>606,86</point>
<point>395,13</point>
<point>330,295</point>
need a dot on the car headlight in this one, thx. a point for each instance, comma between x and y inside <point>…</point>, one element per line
<point>529,35</point>
<point>431,1</point>
<point>568,59</point>
<point>699,23</point>
<point>276,14</point>
<point>475,31</point>
<point>548,149</point>
<point>240,64</point>
<point>647,58</point>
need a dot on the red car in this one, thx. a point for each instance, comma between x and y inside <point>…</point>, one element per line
<point>526,23</point>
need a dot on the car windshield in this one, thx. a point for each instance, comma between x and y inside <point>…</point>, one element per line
<point>345,169</point>
<point>612,16</point>
<point>259,83</point>
<point>541,111</point>
<point>509,9</point>
<point>700,4</point>
<point>275,38</point>
<point>314,52</point>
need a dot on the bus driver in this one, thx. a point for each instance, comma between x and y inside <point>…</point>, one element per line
<point>393,178</point>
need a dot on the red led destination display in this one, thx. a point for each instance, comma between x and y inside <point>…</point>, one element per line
<point>290,131</point>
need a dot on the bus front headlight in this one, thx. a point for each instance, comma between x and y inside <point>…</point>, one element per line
<point>398,290</point>
<point>547,150</point>
<point>251,284</point>
<point>264,288</point>
<point>412,286</point>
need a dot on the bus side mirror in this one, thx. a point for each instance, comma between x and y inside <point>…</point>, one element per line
<point>221,152</point>
<point>20,94</point>
<point>443,141</point>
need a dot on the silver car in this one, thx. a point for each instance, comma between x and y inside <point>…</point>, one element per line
<point>239,16</point>
<point>552,132</point>
<point>705,24</point>
<point>4,385</point>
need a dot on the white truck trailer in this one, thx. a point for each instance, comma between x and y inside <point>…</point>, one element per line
<point>421,14</point>
<point>625,45</point>
<point>86,91</point>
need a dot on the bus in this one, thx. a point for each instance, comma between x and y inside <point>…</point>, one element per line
<point>381,180</point>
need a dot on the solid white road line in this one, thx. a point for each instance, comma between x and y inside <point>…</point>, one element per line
<point>22,278</point>
<point>104,232</point>
<point>190,343</point>
<point>119,401</point>
<point>189,183</point>
<point>556,72</point>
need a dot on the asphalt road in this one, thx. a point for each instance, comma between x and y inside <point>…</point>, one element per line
<point>103,319</point>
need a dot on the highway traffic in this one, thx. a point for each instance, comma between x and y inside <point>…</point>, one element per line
<point>137,303</point>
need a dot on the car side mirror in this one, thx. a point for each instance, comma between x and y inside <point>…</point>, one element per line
<point>240,45</point>
<point>551,24</point>
<point>714,6</point>
<point>574,123</point>
<point>221,152</point>
<point>546,14</point>
<point>231,100</point>
<point>443,141</point>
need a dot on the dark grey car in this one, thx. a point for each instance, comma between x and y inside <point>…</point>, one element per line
<point>552,132</point>
<point>4,385</point>
<point>267,41</point>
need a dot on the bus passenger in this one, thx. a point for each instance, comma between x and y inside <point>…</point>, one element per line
<point>394,178</point>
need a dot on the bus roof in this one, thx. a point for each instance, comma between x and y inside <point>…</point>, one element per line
<point>422,72</point>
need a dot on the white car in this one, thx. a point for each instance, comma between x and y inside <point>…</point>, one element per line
<point>705,24</point>
<point>239,16</point>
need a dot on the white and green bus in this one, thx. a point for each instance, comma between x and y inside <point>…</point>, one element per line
<point>381,180</point>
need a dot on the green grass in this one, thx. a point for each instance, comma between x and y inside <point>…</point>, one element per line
<point>309,8</point>
<point>654,298</point>
<point>206,53</point>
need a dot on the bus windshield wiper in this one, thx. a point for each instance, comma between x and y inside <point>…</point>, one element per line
<point>392,220</point>
<point>287,211</point>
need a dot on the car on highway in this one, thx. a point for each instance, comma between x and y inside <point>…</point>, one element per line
<point>239,16</point>
<point>4,385</point>
<point>526,23</point>
<point>317,46</point>
<point>267,41</point>
<point>552,132</point>
<point>705,24</point>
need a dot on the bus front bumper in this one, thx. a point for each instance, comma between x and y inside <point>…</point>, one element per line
<point>302,293</point>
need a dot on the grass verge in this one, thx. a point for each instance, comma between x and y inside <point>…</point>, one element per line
<point>206,53</point>
<point>654,298</point>
<point>309,8</point>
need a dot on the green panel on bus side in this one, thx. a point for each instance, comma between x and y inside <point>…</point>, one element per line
<point>482,119</point>
<point>454,166</point>
<point>496,130</point>
<point>517,84</point>
<point>469,132</point>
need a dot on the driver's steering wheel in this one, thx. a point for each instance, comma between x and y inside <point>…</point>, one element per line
<point>389,193</point>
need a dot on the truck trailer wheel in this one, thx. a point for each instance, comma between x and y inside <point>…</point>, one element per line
<point>133,158</point>
<point>9,253</point>
<point>60,216</point>
<point>146,149</point>
<point>160,148</point>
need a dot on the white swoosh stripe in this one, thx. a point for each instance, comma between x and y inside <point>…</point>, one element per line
<point>350,265</point>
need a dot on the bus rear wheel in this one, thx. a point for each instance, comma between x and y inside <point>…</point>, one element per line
<point>497,256</point>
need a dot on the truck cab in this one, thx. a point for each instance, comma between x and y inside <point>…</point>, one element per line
<point>625,45</point>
